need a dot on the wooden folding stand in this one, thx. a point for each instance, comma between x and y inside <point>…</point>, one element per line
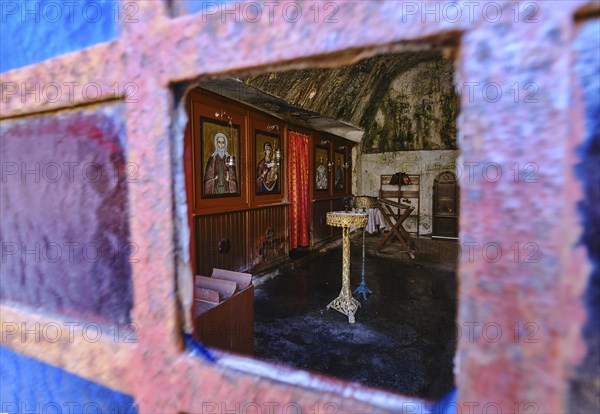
<point>397,229</point>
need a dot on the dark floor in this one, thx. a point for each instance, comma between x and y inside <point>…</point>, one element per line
<point>403,338</point>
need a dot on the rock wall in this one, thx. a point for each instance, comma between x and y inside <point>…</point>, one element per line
<point>416,112</point>
<point>403,102</point>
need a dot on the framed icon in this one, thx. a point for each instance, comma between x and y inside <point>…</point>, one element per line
<point>269,170</point>
<point>321,168</point>
<point>339,172</point>
<point>221,158</point>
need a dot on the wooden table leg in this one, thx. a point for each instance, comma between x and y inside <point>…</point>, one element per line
<point>395,229</point>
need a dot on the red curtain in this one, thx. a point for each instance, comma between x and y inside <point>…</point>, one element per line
<point>299,197</point>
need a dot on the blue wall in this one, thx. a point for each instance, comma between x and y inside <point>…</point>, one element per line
<point>27,385</point>
<point>35,30</point>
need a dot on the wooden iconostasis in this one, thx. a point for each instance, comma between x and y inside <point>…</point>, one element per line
<point>237,188</point>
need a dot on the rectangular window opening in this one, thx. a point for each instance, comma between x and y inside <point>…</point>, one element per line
<point>268,156</point>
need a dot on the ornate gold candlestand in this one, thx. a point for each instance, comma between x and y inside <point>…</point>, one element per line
<point>345,303</point>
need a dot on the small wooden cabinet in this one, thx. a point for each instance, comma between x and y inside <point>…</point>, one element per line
<point>445,206</point>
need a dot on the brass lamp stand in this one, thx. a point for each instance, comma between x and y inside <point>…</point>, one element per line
<point>345,303</point>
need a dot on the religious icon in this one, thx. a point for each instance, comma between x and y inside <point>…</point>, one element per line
<point>268,169</point>
<point>220,147</point>
<point>405,179</point>
<point>339,178</point>
<point>321,169</point>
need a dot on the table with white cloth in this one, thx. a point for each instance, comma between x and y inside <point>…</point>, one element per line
<point>376,219</point>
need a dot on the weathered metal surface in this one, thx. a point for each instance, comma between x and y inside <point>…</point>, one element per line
<point>531,288</point>
<point>528,44</point>
<point>66,246</point>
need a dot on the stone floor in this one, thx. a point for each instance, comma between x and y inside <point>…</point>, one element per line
<point>403,338</point>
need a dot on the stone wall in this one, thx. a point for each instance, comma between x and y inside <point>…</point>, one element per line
<point>404,101</point>
<point>417,111</point>
<point>428,164</point>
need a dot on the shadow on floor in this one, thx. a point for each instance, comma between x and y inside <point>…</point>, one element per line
<point>404,336</point>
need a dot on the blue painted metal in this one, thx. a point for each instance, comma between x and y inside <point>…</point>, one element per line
<point>447,405</point>
<point>76,257</point>
<point>36,30</point>
<point>584,387</point>
<point>198,349</point>
<point>220,8</point>
<point>194,6</point>
<point>28,385</point>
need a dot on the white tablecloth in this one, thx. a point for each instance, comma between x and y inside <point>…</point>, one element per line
<point>376,218</point>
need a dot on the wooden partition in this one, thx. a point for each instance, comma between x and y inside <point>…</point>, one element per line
<point>242,226</point>
<point>240,222</point>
